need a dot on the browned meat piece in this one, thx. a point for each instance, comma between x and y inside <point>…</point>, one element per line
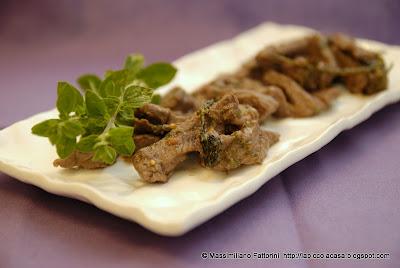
<point>250,69</point>
<point>156,114</point>
<point>355,82</point>
<point>327,95</point>
<point>290,49</point>
<point>79,160</point>
<point>231,136</point>
<point>348,45</point>
<point>220,85</point>
<point>178,100</point>
<point>144,140</point>
<point>297,102</point>
<point>247,91</point>
<point>155,120</point>
<point>156,162</point>
<point>264,104</point>
<point>299,59</point>
<point>215,132</point>
<point>143,126</point>
<point>361,70</point>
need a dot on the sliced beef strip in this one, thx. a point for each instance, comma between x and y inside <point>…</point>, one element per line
<point>357,82</point>
<point>297,102</point>
<point>225,151</point>
<point>219,86</point>
<point>79,160</point>
<point>156,120</point>
<point>264,104</point>
<point>154,113</point>
<point>156,162</point>
<point>299,59</point>
<point>327,95</point>
<point>159,115</point>
<point>367,73</point>
<point>84,160</point>
<point>144,140</point>
<point>348,45</point>
<point>247,91</point>
<point>206,133</point>
<point>179,100</point>
<point>143,126</point>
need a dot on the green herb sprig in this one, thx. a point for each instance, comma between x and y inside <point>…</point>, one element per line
<point>99,118</point>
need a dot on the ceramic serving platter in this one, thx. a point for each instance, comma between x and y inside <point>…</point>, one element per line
<point>193,195</point>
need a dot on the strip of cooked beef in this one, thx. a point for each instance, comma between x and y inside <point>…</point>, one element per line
<point>79,160</point>
<point>264,104</point>
<point>361,70</point>
<point>297,101</point>
<point>216,132</point>
<point>157,114</point>
<point>179,100</point>
<point>233,82</point>
<point>327,95</point>
<point>243,143</point>
<point>247,91</point>
<point>156,120</point>
<point>144,140</point>
<point>299,59</point>
<point>144,126</point>
<point>156,162</point>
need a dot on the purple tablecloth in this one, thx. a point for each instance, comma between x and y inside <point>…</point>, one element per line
<point>343,198</point>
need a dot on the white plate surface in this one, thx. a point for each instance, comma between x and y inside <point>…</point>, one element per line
<point>193,195</point>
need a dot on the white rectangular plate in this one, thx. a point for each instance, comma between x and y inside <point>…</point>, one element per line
<point>193,195</point>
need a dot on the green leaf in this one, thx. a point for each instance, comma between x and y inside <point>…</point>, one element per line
<point>86,144</point>
<point>157,74</point>
<point>126,116</point>
<point>72,128</point>
<point>45,128</point>
<point>94,125</point>
<point>65,147</point>
<point>89,81</point>
<point>127,113</point>
<point>121,139</point>
<point>95,105</point>
<point>134,62</point>
<point>108,73</point>
<point>108,88</point>
<point>55,136</point>
<point>112,104</point>
<point>116,82</point>
<point>69,99</point>
<point>156,99</point>
<point>105,154</point>
<point>137,96</point>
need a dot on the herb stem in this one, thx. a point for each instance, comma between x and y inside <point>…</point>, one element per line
<point>111,123</point>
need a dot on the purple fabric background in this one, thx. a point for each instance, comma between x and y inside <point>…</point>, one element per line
<point>343,198</point>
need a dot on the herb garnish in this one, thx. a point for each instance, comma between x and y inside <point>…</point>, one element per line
<point>101,119</point>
